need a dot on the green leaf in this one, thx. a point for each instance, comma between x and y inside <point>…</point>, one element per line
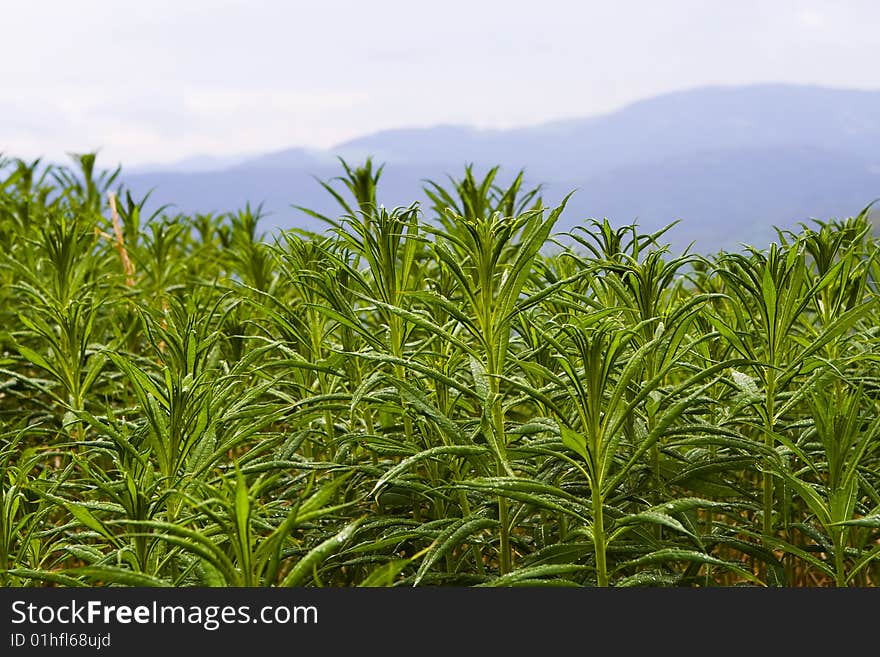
<point>86,518</point>
<point>666,555</point>
<point>451,538</point>
<point>433,452</point>
<point>384,575</point>
<point>522,576</point>
<point>866,521</point>
<point>316,555</point>
<point>113,575</point>
<point>648,517</point>
<point>574,441</point>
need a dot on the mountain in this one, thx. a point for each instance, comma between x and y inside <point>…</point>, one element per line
<point>195,163</point>
<point>730,162</point>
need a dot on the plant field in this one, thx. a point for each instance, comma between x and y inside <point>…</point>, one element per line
<point>450,394</point>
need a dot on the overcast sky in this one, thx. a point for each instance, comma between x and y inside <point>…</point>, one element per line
<point>159,80</point>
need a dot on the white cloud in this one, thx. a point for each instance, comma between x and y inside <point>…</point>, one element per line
<point>235,100</point>
<point>158,80</point>
<point>136,126</point>
<point>811,19</point>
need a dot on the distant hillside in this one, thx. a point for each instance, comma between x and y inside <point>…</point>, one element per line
<point>730,162</point>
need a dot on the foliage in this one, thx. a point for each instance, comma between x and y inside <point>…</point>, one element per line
<point>451,399</point>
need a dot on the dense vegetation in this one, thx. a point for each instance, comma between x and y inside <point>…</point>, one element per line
<point>448,395</point>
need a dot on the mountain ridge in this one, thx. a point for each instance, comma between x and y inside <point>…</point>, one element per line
<point>729,157</point>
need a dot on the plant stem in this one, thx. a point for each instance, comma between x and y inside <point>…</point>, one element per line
<point>505,564</point>
<point>500,438</point>
<point>599,535</point>
<point>839,565</point>
<point>770,442</point>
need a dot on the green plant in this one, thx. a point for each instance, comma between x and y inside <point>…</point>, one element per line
<point>459,397</point>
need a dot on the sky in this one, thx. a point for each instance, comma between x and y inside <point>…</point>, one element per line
<point>156,81</point>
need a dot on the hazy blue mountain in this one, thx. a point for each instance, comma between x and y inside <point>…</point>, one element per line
<point>727,197</point>
<point>291,158</point>
<point>195,163</point>
<point>728,162</point>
